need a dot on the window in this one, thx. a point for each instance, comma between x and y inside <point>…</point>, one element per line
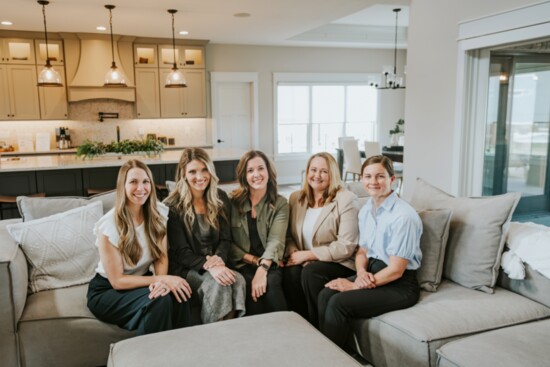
<point>312,115</point>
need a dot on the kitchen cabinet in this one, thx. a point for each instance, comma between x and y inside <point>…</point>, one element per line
<point>147,92</point>
<point>184,102</point>
<point>19,92</point>
<point>55,52</point>
<point>60,182</point>
<point>53,100</point>
<point>186,57</point>
<point>15,184</point>
<point>145,56</point>
<point>17,51</point>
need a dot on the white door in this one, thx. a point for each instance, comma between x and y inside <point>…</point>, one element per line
<point>234,110</point>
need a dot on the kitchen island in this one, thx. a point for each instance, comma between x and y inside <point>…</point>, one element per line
<point>66,174</point>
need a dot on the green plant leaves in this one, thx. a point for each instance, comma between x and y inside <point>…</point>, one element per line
<point>90,149</point>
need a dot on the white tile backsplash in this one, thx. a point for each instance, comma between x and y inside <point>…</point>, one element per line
<point>84,124</point>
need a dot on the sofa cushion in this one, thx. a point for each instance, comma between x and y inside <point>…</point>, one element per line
<point>521,345</point>
<point>476,235</point>
<point>435,231</point>
<point>32,208</point>
<point>60,248</point>
<point>410,337</point>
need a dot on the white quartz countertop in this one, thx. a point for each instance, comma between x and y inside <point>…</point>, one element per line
<point>70,161</point>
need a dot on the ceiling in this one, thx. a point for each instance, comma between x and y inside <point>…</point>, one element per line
<point>326,23</point>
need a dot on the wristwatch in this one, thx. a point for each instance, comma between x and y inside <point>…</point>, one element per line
<point>262,265</point>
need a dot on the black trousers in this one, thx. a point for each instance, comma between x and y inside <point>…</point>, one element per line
<point>314,277</point>
<point>336,308</point>
<point>133,310</point>
<point>292,286</point>
<point>273,300</point>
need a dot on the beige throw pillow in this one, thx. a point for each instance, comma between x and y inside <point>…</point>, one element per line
<point>435,232</point>
<point>60,249</point>
<point>35,208</point>
<point>476,235</point>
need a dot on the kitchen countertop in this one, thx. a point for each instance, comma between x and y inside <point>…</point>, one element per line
<point>70,161</point>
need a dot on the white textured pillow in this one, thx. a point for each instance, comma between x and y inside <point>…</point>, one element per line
<point>60,248</point>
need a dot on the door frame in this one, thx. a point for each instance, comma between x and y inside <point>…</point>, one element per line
<point>217,78</point>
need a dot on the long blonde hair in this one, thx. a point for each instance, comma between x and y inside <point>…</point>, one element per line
<point>155,229</point>
<point>242,194</point>
<point>334,186</point>
<point>181,199</point>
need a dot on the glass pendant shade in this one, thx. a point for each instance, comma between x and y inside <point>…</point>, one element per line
<point>48,77</point>
<point>114,77</point>
<point>175,79</point>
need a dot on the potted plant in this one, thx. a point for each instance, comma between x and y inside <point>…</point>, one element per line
<point>91,149</point>
<point>397,132</point>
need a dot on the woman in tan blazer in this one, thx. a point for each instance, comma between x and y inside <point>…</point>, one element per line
<point>323,235</point>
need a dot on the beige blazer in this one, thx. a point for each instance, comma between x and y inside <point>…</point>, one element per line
<point>336,232</point>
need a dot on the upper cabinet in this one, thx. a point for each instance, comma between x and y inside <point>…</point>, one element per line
<point>17,51</point>
<point>19,92</point>
<point>186,56</point>
<point>54,52</point>
<point>152,64</point>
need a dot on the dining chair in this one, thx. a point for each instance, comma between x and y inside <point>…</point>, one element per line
<point>352,158</point>
<point>341,140</point>
<point>372,148</point>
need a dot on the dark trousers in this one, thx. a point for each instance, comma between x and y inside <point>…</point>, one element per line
<point>273,300</point>
<point>292,286</point>
<point>133,310</point>
<point>314,277</point>
<point>336,308</point>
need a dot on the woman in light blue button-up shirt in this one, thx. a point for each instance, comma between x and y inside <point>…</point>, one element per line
<point>386,262</point>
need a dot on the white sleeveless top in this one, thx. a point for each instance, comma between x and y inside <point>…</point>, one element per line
<point>106,225</point>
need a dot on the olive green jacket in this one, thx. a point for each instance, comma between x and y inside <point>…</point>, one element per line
<point>272,222</point>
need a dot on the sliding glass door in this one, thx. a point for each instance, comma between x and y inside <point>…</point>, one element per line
<point>517,129</point>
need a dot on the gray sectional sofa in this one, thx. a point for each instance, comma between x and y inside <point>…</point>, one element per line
<point>55,328</point>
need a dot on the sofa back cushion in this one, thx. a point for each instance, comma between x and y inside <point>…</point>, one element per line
<point>435,232</point>
<point>476,235</point>
<point>60,249</point>
<point>32,208</point>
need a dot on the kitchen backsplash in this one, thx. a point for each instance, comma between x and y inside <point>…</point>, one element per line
<point>84,124</point>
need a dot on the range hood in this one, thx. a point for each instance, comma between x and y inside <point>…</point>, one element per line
<point>87,59</point>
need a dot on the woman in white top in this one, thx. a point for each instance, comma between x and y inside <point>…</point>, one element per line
<point>322,235</point>
<point>130,238</point>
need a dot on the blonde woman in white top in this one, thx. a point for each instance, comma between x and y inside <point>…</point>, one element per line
<point>131,237</point>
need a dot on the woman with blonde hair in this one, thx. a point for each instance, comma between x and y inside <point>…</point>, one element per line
<point>199,237</point>
<point>322,236</point>
<point>131,237</point>
<point>259,220</point>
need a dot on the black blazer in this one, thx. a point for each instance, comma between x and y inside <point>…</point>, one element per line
<point>184,249</point>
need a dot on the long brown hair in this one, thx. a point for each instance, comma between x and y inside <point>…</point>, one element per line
<point>181,198</point>
<point>155,229</point>
<point>334,186</point>
<point>242,194</point>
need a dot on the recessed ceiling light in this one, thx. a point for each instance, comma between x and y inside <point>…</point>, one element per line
<point>241,15</point>
<point>184,33</point>
<point>6,22</point>
<point>101,28</point>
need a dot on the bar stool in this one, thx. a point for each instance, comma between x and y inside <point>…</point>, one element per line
<point>91,192</point>
<point>9,202</point>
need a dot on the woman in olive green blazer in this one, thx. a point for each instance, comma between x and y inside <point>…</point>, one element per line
<point>322,237</point>
<point>259,221</point>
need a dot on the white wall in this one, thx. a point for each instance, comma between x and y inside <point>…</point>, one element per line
<point>431,84</point>
<point>267,60</point>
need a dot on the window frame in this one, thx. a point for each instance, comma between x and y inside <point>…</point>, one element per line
<point>312,79</point>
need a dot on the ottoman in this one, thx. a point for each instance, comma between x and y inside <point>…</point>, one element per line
<point>521,345</point>
<point>275,339</point>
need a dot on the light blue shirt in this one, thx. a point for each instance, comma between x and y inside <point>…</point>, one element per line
<point>394,229</point>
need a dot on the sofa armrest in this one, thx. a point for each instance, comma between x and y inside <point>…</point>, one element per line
<point>14,279</point>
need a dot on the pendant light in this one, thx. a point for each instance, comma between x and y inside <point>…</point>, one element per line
<point>175,79</point>
<point>48,77</point>
<point>114,76</point>
<point>391,79</point>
